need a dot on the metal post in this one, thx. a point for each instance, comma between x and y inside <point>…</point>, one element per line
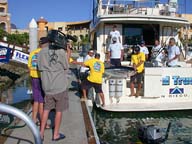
<point>16,112</point>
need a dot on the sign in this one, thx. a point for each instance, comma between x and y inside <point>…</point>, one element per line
<point>168,82</point>
<point>20,57</point>
<point>177,80</point>
<point>4,54</point>
<point>176,90</point>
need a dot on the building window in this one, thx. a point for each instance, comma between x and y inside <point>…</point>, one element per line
<point>3,25</point>
<point>2,9</point>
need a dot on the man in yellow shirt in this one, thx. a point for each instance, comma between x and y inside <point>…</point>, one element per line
<point>137,59</point>
<point>38,95</point>
<point>95,77</point>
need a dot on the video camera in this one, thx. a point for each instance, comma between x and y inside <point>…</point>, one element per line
<point>58,40</point>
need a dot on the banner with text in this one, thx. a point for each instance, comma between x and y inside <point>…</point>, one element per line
<point>4,54</point>
<point>20,57</point>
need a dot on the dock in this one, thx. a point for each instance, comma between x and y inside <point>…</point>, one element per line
<point>76,124</point>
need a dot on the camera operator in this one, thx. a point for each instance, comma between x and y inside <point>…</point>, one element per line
<point>53,66</point>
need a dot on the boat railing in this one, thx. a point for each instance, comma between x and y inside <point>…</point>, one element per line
<point>18,113</point>
<point>135,7</point>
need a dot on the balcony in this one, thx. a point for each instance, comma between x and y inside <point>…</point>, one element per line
<point>135,7</point>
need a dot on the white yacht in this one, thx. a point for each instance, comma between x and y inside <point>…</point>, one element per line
<point>164,88</point>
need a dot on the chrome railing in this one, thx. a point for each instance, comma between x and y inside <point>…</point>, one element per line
<point>136,7</point>
<point>16,112</point>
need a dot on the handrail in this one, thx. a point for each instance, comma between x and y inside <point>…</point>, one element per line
<point>16,112</point>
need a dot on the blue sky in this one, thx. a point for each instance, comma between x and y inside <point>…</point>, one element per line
<point>22,11</point>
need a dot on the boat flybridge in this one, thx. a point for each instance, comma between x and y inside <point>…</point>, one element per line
<point>164,88</point>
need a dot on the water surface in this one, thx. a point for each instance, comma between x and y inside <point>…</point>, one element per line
<point>122,128</point>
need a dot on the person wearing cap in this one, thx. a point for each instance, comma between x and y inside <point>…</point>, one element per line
<point>115,33</point>
<point>53,65</point>
<point>94,79</point>
<point>115,53</point>
<point>38,94</point>
<point>137,60</point>
<point>83,70</point>
<point>144,49</point>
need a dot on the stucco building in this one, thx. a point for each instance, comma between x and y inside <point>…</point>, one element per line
<point>186,32</point>
<point>4,16</point>
<point>72,28</point>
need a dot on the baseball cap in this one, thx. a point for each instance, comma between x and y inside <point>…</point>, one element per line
<point>142,42</point>
<point>136,48</point>
<point>43,40</point>
<point>97,55</point>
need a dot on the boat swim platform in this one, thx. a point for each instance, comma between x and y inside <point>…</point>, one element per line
<point>141,107</point>
<point>75,125</point>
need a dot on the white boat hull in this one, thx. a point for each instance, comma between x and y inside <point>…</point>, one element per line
<point>164,89</point>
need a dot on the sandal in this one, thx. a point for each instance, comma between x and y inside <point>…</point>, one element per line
<point>61,136</point>
<point>47,126</point>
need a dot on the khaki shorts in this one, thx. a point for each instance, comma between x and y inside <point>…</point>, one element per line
<point>59,101</point>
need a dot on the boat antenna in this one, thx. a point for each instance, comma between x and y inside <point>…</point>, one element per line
<point>167,132</point>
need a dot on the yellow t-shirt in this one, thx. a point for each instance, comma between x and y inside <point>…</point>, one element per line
<point>137,58</point>
<point>32,63</point>
<point>70,60</point>
<point>96,70</point>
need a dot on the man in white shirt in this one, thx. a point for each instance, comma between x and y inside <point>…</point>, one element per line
<point>144,49</point>
<point>115,53</point>
<point>155,49</point>
<point>173,53</point>
<point>83,70</point>
<point>158,55</point>
<point>115,33</point>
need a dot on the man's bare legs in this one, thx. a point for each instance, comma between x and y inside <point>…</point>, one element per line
<point>35,111</point>
<point>58,119</point>
<point>44,122</point>
<point>132,86</point>
<point>138,92</point>
<point>40,110</point>
<point>102,98</point>
<point>84,97</point>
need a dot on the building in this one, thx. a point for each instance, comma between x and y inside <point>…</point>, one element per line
<point>4,16</point>
<point>186,32</point>
<point>72,28</point>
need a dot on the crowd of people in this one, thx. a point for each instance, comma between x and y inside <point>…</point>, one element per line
<point>48,70</point>
<point>158,57</point>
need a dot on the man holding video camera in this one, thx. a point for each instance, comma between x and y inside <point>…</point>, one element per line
<point>53,66</point>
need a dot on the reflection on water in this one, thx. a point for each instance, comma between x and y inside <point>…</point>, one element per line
<point>16,93</point>
<point>121,128</point>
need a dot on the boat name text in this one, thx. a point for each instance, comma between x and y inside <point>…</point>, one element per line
<point>177,80</point>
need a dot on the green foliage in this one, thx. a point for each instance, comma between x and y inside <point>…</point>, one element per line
<point>16,38</point>
<point>84,39</point>
<point>2,33</point>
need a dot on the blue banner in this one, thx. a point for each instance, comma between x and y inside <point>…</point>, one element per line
<point>5,53</point>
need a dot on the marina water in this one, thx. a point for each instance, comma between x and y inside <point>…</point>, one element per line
<point>18,95</point>
<point>122,128</point>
